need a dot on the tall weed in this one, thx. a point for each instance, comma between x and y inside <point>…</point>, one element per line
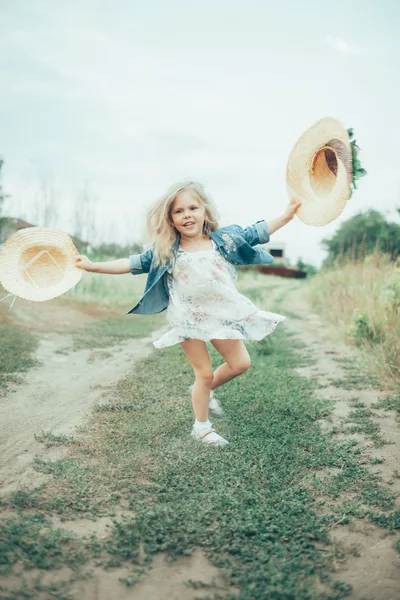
<point>362,297</point>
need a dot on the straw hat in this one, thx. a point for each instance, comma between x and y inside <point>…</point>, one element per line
<point>321,169</point>
<point>37,263</point>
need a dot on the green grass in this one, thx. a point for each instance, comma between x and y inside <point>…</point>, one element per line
<point>106,332</point>
<point>108,290</point>
<point>391,403</point>
<point>32,541</point>
<point>261,507</point>
<point>50,439</point>
<point>16,354</point>
<point>361,420</point>
<point>356,379</point>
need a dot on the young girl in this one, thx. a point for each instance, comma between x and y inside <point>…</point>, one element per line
<point>191,273</point>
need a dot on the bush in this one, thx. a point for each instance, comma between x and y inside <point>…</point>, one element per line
<point>362,235</point>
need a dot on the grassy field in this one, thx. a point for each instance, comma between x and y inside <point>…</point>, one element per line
<point>108,290</point>
<point>256,506</point>
<point>362,298</point>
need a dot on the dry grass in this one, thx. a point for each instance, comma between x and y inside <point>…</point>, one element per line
<point>363,299</point>
<point>108,290</point>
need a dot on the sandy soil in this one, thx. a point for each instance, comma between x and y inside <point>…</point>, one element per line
<point>57,395</point>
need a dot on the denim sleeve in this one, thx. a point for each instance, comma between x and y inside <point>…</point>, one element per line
<point>255,234</point>
<point>140,263</point>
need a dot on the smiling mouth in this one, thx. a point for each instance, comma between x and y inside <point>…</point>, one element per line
<point>188,224</point>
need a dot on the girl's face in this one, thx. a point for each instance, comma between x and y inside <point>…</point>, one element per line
<point>188,214</point>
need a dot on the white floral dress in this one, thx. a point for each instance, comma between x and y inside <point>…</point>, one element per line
<point>204,303</point>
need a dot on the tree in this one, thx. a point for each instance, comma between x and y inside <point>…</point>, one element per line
<point>300,264</point>
<point>46,206</point>
<point>308,268</point>
<point>113,250</point>
<point>84,217</point>
<point>362,234</point>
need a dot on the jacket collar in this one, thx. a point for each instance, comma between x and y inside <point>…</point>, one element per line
<point>214,236</point>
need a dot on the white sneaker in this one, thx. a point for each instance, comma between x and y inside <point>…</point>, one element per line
<point>214,407</point>
<point>208,436</point>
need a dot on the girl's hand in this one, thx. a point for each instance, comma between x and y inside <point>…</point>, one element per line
<point>291,209</point>
<point>83,262</point>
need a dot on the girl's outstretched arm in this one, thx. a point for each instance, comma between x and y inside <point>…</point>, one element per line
<point>111,267</point>
<point>287,216</point>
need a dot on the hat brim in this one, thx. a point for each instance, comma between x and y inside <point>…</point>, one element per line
<point>38,264</point>
<point>323,198</point>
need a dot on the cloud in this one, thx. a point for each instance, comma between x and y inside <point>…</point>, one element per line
<point>341,45</point>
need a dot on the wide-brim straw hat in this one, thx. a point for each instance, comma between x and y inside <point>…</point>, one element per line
<point>319,172</point>
<point>38,263</point>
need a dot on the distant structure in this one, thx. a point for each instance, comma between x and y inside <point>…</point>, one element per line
<point>279,267</point>
<point>277,250</point>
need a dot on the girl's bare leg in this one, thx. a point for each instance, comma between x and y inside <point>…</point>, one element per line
<point>237,361</point>
<point>197,354</point>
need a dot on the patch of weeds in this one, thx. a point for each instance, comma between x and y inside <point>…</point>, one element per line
<point>390,403</point>
<point>16,354</point>
<point>356,403</point>
<point>77,488</point>
<point>355,550</point>
<point>21,500</point>
<point>362,331</point>
<point>31,540</point>
<point>198,585</point>
<point>357,378</point>
<point>355,381</point>
<point>377,461</point>
<point>344,588</point>
<point>357,481</point>
<point>390,522</point>
<point>50,439</point>
<point>365,425</point>
<point>341,360</point>
<point>136,576</point>
<point>374,494</point>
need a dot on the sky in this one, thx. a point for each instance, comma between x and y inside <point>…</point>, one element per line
<point>103,105</point>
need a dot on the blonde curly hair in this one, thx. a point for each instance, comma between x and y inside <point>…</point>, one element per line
<point>159,226</point>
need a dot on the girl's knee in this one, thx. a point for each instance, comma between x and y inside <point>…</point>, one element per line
<point>242,366</point>
<point>206,377</point>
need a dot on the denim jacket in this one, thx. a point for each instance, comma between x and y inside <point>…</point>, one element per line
<point>237,245</point>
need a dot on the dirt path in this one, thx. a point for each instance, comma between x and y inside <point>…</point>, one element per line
<point>372,565</point>
<point>57,394</point>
